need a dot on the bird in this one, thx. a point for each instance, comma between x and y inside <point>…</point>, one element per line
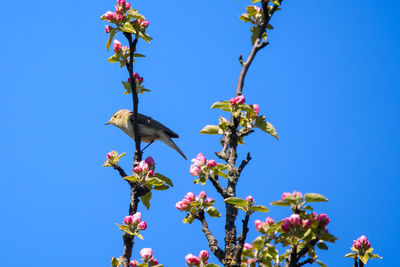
<point>149,129</point>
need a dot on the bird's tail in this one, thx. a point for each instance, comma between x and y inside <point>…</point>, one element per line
<point>168,141</point>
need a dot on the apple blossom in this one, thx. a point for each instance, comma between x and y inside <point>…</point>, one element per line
<point>117,47</point>
<point>192,260</point>
<point>146,254</point>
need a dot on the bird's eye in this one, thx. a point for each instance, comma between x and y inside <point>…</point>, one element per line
<point>115,117</point>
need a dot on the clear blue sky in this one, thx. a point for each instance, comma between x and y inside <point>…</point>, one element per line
<point>329,82</point>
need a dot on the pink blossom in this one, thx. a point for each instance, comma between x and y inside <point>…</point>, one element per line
<point>144,166</point>
<point>285,195</point>
<point>295,220</point>
<point>362,242</point>
<point>107,29</point>
<point>151,173</point>
<point>250,199</point>
<point>153,261</point>
<point>190,196</point>
<point>256,108</point>
<point>149,160</point>
<point>137,169</point>
<point>248,246</point>
<point>145,24</point>
<point>181,206</point>
<point>111,154</point>
<point>117,47</point>
<point>251,260</point>
<point>307,223</point>
<point>323,219</point>
<point>286,225</point>
<point>211,163</point>
<point>237,100</point>
<point>133,263</point>
<point>142,225</point>
<point>186,202</point>
<point>204,255</point>
<point>357,244</point>
<point>269,220</point>
<point>297,194</point>
<point>137,218</point>
<point>192,260</point>
<point>194,170</point>
<point>109,15</point>
<point>119,10</point>
<point>202,195</point>
<point>128,220</point>
<point>258,9</point>
<point>119,17</point>
<point>146,254</point>
<point>200,160</point>
<point>121,2</point>
<point>258,224</point>
<point>127,6</point>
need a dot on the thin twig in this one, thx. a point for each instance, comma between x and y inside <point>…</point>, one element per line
<point>309,260</point>
<point>218,187</point>
<point>120,170</point>
<point>242,238</point>
<point>244,163</point>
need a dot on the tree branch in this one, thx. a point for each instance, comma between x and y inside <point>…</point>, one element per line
<point>244,163</point>
<point>212,241</point>
<point>242,238</point>
<point>304,250</point>
<point>218,187</point>
<point>309,260</point>
<point>120,170</point>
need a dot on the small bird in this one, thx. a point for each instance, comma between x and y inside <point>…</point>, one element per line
<point>149,129</point>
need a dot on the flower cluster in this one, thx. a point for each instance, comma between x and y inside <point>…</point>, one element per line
<point>237,100</point>
<point>362,250</point>
<point>112,159</point>
<point>294,223</point>
<point>133,224</point>
<point>138,79</point>
<point>147,257</point>
<point>117,17</point>
<point>248,263</point>
<point>200,164</point>
<point>190,200</point>
<point>295,194</point>
<point>254,15</point>
<point>263,226</point>
<point>361,244</point>
<point>145,167</point>
<point>201,260</point>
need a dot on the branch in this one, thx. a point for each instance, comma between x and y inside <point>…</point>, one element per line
<point>120,170</point>
<point>244,163</point>
<point>218,187</point>
<point>304,250</point>
<point>242,238</point>
<point>212,241</point>
<point>309,260</point>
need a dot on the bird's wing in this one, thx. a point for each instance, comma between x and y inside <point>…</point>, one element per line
<point>143,119</point>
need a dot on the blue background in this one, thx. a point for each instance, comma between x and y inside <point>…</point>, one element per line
<point>328,82</point>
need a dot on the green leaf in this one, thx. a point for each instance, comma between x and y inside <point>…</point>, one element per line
<point>146,200</point>
<point>138,55</point>
<point>313,197</point>
<point>163,178</point>
<point>139,235</point>
<point>270,27</point>
<point>145,37</point>
<point>321,263</point>
<point>213,212</point>
<point>128,27</point>
<point>161,187</point>
<point>133,14</point>
<point>236,201</point>
<point>113,59</point>
<point>212,265</point>
<point>255,1</point>
<point>280,203</point>
<point>210,129</point>
<point>258,242</point>
<point>259,208</point>
<point>132,178</point>
<point>350,255</point>
<point>222,174</point>
<point>364,258</point>
<point>328,237</point>
<point>224,105</point>
<point>245,17</point>
<point>110,38</point>
<point>254,34</point>
<point>188,218</point>
<point>153,181</point>
<point>115,261</point>
<point>322,245</point>
<point>266,126</point>
<point>276,2</point>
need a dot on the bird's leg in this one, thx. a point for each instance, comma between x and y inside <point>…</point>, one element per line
<point>147,145</point>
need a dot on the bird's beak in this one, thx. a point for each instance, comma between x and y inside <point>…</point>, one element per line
<point>107,123</point>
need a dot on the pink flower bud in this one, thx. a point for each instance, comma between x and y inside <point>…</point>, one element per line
<point>133,263</point>
<point>295,220</point>
<point>121,2</point>
<point>137,218</point>
<point>251,260</point>
<point>128,220</point>
<point>107,29</point>
<point>192,260</point>
<point>144,166</point>
<point>146,254</point>
<point>208,200</point>
<point>190,196</point>
<point>258,9</point>
<point>194,170</point>
<point>357,244</point>
<point>364,242</point>
<point>127,6</point>
<point>323,219</point>
<point>109,16</point>
<point>285,195</point>
<point>204,255</point>
<point>250,199</point>
<point>119,17</point>
<point>200,160</point>
<point>186,201</point>
<point>153,261</point>
<point>286,225</point>
<point>269,220</point>
<point>202,195</point>
<point>232,101</point>
<point>117,47</point>
<point>149,160</point>
<point>247,246</point>
<point>256,108</point>
<point>258,224</point>
<point>297,194</point>
<point>145,24</point>
<point>306,223</point>
<point>211,163</point>
<point>151,173</point>
<point>180,205</point>
<point>137,169</point>
<point>119,10</point>
<point>142,225</point>
<point>111,154</point>
<point>240,99</point>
